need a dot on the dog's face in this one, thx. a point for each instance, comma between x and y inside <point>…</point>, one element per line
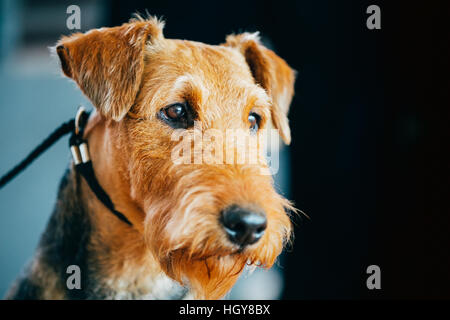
<point>205,217</point>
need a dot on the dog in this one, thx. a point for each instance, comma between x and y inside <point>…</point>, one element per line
<point>194,227</point>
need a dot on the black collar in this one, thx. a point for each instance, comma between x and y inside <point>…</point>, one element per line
<point>83,163</point>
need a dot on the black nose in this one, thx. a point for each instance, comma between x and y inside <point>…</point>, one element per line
<point>243,226</point>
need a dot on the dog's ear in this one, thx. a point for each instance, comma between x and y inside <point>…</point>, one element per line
<point>108,63</point>
<point>270,72</point>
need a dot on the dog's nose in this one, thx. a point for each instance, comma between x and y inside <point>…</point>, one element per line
<point>243,226</point>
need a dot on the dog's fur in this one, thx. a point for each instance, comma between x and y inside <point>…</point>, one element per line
<point>176,247</point>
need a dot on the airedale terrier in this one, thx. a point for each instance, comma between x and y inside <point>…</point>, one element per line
<point>194,226</point>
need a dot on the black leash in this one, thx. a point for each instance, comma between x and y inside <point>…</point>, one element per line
<point>64,129</point>
<point>80,153</point>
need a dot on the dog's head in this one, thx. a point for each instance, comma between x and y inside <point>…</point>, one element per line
<point>172,104</point>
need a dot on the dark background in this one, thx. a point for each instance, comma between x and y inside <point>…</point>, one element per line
<point>370,133</point>
<point>370,126</point>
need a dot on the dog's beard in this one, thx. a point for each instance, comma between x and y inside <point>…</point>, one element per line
<point>209,277</point>
<point>193,249</point>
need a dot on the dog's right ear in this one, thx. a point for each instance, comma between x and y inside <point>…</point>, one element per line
<point>108,63</point>
<point>270,72</point>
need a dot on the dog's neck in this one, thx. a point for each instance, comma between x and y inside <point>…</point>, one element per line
<point>112,256</point>
<point>125,267</point>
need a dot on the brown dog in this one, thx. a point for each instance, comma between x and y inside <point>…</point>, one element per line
<point>195,226</point>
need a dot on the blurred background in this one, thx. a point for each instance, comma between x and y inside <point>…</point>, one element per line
<point>369,158</point>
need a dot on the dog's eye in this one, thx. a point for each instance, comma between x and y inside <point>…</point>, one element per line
<point>175,111</point>
<point>254,120</point>
<point>177,116</point>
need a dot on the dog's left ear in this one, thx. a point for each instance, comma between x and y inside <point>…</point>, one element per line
<point>270,72</point>
<point>108,63</point>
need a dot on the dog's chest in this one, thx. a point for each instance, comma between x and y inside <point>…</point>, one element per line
<point>158,287</point>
